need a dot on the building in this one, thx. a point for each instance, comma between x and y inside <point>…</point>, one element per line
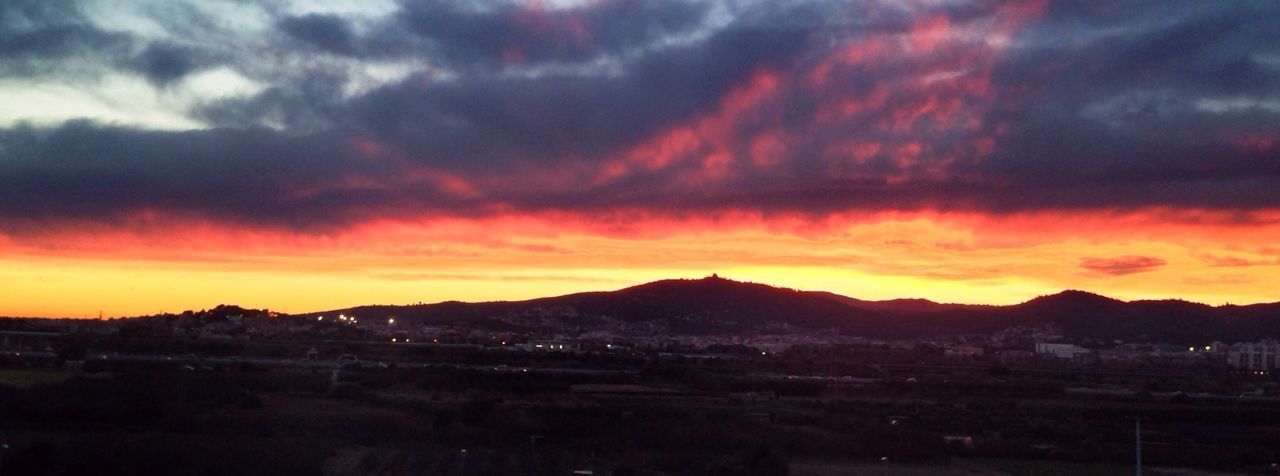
<point>1261,356</point>
<point>1061,351</point>
<point>551,346</point>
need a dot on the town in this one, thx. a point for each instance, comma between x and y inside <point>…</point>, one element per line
<point>231,330</point>
<point>618,397</point>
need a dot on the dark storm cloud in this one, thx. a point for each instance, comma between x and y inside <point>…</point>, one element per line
<point>163,63</point>
<point>1113,106</point>
<point>554,116</point>
<point>491,121</point>
<point>312,103</point>
<point>813,108</point>
<point>327,32</point>
<point>57,40</point>
<point>476,127</point>
<point>467,34</point>
<point>1193,47</point>
<point>80,171</point>
<point>37,36</point>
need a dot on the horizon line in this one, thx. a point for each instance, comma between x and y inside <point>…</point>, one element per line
<point>711,276</point>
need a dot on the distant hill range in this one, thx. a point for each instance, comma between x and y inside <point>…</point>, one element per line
<point>718,305</point>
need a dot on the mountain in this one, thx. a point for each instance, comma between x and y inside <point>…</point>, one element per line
<point>1084,315</point>
<point>718,305</point>
<point>685,306</point>
<point>896,306</point>
<point>1075,300</point>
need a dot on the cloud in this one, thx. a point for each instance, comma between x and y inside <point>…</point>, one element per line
<point>1121,265</point>
<point>1229,261</point>
<point>327,32</point>
<point>514,34</point>
<point>38,37</point>
<point>659,109</point>
<point>163,63</point>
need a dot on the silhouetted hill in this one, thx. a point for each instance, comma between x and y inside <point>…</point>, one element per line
<point>1086,315</point>
<point>692,306</point>
<point>1074,300</point>
<point>898,306</point>
<point>718,305</point>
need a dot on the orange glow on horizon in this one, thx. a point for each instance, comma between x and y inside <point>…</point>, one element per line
<point>170,265</point>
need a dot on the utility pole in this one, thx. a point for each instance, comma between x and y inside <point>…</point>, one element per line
<point>1137,442</point>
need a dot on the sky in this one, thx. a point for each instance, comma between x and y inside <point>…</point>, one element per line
<point>301,155</point>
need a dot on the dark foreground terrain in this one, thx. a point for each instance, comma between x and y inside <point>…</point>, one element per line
<point>461,411</point>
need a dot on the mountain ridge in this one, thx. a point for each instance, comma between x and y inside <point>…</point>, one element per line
<point>718,305</point>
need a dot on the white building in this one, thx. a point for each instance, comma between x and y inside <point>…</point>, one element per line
<point>1254,356</point>
<point>1061,351</point>
<point>551,346</point>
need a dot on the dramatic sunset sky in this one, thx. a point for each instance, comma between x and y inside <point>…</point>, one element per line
<point>162,155</point>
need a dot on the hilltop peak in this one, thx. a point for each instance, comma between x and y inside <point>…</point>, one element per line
<point>1074,297</point>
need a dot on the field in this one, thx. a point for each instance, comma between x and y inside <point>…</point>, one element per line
<point>555,414</point>
<point>26,378</point>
